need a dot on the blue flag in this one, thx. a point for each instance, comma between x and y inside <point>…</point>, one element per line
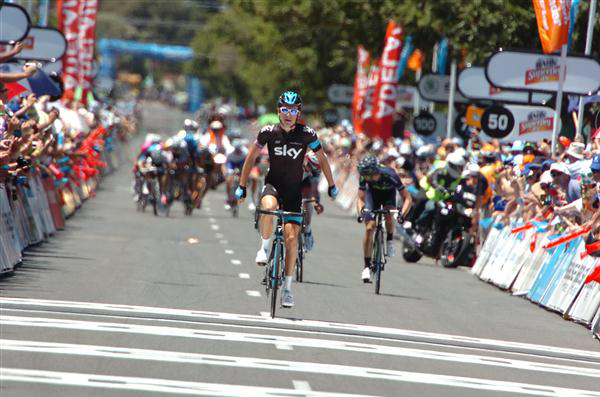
<point>406,51</point>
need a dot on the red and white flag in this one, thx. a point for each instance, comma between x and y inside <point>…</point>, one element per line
<point>384,100</point>
<point>77,21</point>
<point>366,114</point>
<point>361,82</point>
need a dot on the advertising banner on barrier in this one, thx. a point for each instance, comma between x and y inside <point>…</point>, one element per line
<point>53,203</point>
<point>587,303</point>
<point>361,81</point>
<point>534,71</point>
<point>41,44</point>
<point>572,281</point>
<point>559,271</point>
<point>514,122</point>
<point>472,84</point>
<point>15,23</point>
<point>545,275</point>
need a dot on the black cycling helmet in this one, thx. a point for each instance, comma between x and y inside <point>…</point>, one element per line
<point>368,165</point>
<point>290,98</point>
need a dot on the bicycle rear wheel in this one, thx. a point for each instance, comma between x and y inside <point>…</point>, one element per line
<point>274,278</point>
<point>378,262</point>
<point>300,259</point>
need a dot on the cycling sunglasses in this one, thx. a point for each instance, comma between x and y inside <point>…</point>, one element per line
<point>292,112</point>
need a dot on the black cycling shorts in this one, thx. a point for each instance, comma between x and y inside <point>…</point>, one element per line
<point>375,199</point>
<point>289,198</point>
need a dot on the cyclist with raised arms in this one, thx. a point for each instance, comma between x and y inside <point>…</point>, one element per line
<point>287,143</point>
<point>377,188</point>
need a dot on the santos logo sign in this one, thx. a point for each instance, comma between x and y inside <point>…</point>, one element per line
<point>285,151</point>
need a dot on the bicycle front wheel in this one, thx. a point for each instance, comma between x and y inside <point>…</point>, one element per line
<point>274,277</point>
<point>300,259</point>
<point>378,262</point>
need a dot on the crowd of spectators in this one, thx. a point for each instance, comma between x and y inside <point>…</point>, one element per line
<point>523,180</point>
<point>46,134</point>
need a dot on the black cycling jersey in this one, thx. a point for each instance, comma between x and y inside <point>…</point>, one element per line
<point>388,180</point>
<point>286,152</point>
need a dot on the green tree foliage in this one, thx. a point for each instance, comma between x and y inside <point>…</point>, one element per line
<point>256,48</point>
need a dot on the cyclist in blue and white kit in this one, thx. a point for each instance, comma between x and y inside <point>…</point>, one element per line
<point>287,143</point>
<point>234,163</point>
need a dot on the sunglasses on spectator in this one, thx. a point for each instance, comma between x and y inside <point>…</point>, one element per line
<point>292,112</point>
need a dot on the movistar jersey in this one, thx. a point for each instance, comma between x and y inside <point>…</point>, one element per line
<point>388,180</point>
<point>286,152</point>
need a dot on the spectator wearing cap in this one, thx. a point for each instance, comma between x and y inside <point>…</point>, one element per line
<point>568,185</point>
<point>583,210</point>
<point>575,158</point>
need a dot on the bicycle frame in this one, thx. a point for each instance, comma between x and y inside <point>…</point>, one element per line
<point>379,258</point>
<point>275,271</point>
<point>301,249</point>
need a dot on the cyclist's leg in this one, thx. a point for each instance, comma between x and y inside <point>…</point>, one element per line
<point>291,200</point>
<point>268,202</point>
<point>369,227</point>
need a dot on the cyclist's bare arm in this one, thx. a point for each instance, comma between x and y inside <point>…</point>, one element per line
<point>360,202</point>
<point>406,202</point>
<point>324,163</point>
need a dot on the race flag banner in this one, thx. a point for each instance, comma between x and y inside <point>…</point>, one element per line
<point>384,99</point>
<point>366,114</point>
<point>553,23</point>
<point>77,21</point>
<point>361,82</point>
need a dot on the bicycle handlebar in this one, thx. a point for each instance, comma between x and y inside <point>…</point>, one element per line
<point>278,212</point>
<point>381,211</point>
<point>309,200</point>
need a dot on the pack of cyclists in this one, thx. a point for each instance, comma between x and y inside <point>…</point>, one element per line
<point>283,167</point>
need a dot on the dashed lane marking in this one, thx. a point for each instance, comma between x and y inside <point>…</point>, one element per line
<point>340,345</point>
<point>229,252</point>
<point>224,242</point>
<point>244,275</point>
<point>253,293</point>
<point>236,262</point>
<point>212,220</point>
<point>219,235</point>
<point>282,346</point>
<point>151,384</point>
<point>193,240</point>
<point>292,366</point>
<point>214,227</point>
<point>301,385</point>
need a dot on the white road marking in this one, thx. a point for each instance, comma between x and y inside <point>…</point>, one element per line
<point>265,314</point>
<point>212,220</point>
<point>292,366</point>
<point>295,342</point>
<point>219,235</point>
<point>229,252</point>
<point>236,262</point>
<point>253,293</point>
<point>301,385</point>
<point>244,275</point>
<point>281,346</point>
<point>192,240</point>
<point>150,384</point>
<point>208,209</point>
<point>214,227</point>
<point>224,242</point>
<point>310,325</point>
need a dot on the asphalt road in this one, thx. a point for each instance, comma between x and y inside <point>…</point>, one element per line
<point>123,303</point>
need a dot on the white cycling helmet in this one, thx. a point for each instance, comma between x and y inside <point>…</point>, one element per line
<point>188,124</point>
<point>454,164</point>
<point>216,125</point>
<point>472,169</point>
